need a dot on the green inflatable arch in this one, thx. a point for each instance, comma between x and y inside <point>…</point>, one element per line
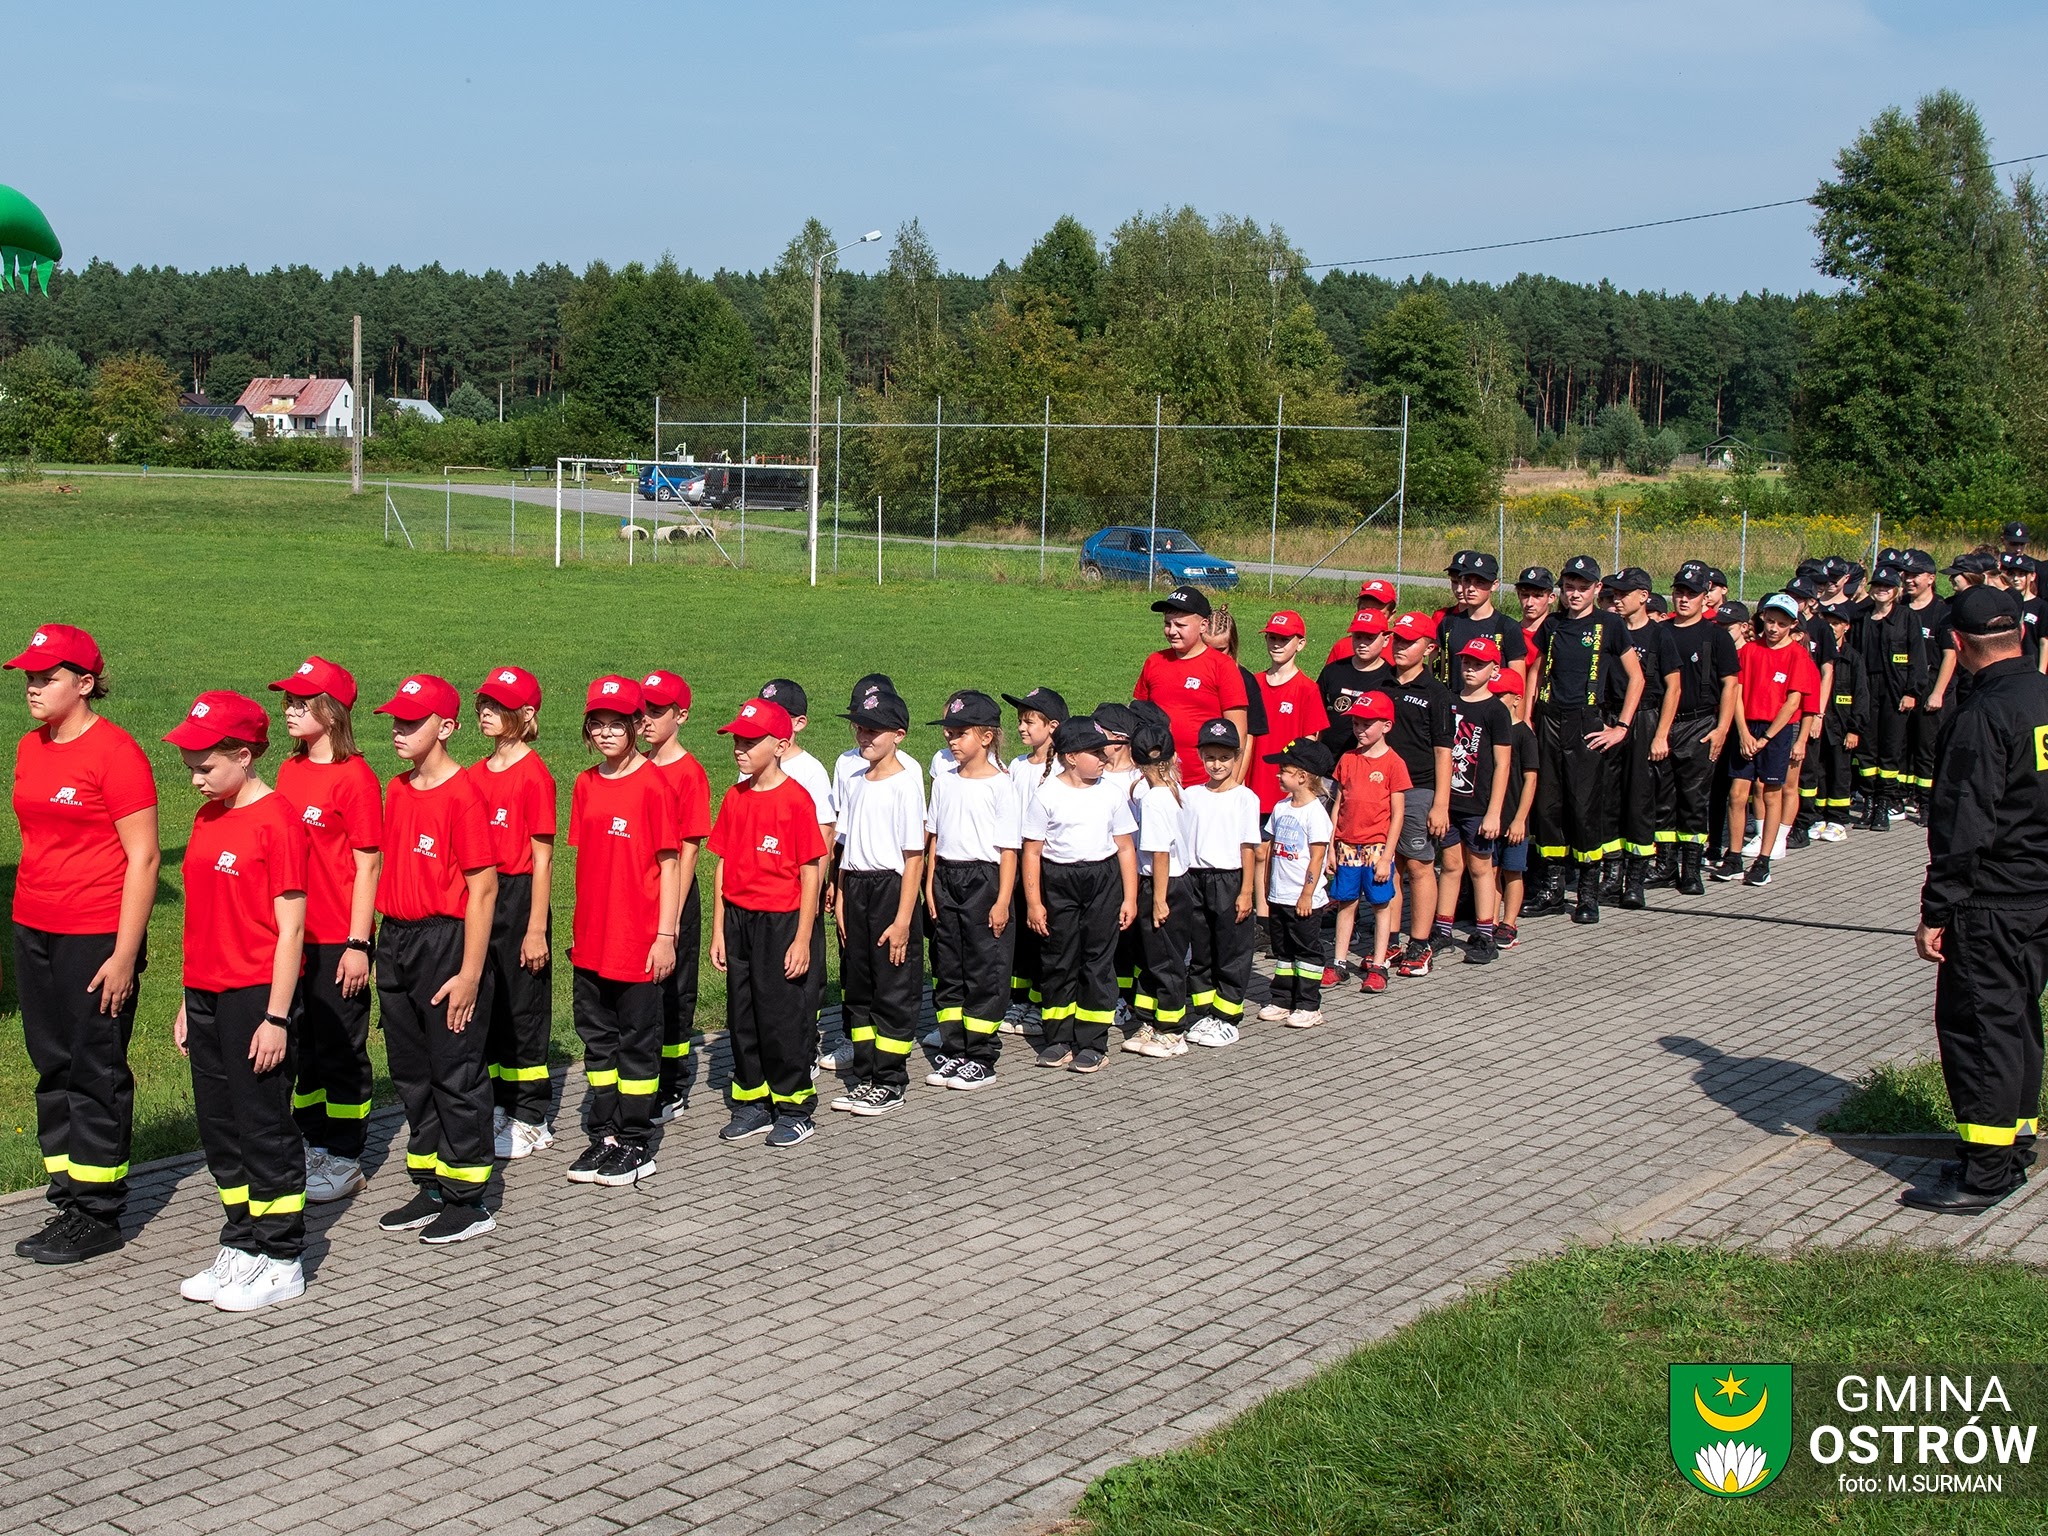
<point>29,249</point>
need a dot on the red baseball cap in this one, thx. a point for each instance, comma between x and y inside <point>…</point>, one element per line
<point>317,674</point>
<point>421,695</point>
<point>619,694</point>
<point>760,717</point>
<point>55,645</point>
<point>1479,648</point>
<point>1371,706</point>
<point>513,687</point>
<point>665,690</point>
<point>1378,591</point>
<point>1509,681</point>
<point>1370,622</point>
<point>1414,626</point>
<point>217,716</point>
<point>1286,622</point>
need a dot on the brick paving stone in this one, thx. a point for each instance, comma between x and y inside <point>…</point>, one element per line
<point>875,1332</point>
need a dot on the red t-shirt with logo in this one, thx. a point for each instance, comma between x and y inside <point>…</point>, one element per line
<point>519,805</point>
<point>67,798</point>
<point>237,863</point>
<point>1365,813</point>
<point>431,837</point>
<point>1193,691</point>
<point>341,808</point>
<point>1769,675</point>
<point>763,839</point>
<point>619,828</point>
<point>1294,709</point>
<point>691,786</point>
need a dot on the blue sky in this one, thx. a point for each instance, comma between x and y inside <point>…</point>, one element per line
<point>516,132</point>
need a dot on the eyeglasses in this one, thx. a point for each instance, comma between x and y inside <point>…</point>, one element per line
<point>609,727</point>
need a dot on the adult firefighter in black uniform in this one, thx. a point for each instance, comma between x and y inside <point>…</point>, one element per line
<point>1705,715</point>
<point>1574,810</point>
<point>1643,763</point>
<point>1929,612</point>
<point>1982,916</point>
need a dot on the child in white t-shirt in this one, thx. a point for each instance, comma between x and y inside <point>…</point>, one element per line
<point>1295,895</point>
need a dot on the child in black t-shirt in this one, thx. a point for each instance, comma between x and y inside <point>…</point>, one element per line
<point>1512,860</point>
<point>1481,754</point>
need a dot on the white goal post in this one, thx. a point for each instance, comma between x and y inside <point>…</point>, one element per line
<point>688,485</point>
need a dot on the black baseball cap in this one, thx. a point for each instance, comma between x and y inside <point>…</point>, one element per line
<point>1716,576</point>
<point>1891,557</point>
<point>1834,567</point>
<point>1885,576</point>
<point>1630,578</point>
<point>1151,744</point>
<point>1116,719</point>
<point>1081,734</point>
<point>791,696</point>
<point>1474,562</point>
<point>1044,700</point>
<point>1657,604</point>
<point>880,711</point>
<point>1803,589</point>
<point>2026,565</point>
<point>1731,613</point>
<point>2016,533</point>
<point>1970,564</point>
<point>1184,600</point>
<point>1693,576</point>
<point>1917,562</point>
<point>869,683</point>
<point>1984,611</point>
<point>1539,578</point>
<point>969,707</point>
<point>1839,613</point>
<point>1585,567</point>
<point>1145,709</point>
<point>1308,754</point>
<point>1219,733</point>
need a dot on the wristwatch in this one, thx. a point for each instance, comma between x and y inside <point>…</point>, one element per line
<point>361,946</point>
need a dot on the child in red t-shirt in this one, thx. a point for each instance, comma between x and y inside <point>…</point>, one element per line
<point>764,908</point>
<point>664,706</point>
<point>622,823</point>
<point>1372,785</point>
<point>1775,677</point>
<point>519,797</point>
<point>245,926</point>
<point>436,893</point>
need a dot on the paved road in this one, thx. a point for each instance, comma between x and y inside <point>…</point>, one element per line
<point>953,1318</point>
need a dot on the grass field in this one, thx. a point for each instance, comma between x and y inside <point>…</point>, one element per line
<point>1897,1100</point>
<point>1540,1405</point>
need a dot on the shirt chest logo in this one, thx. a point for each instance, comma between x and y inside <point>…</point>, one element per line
<point>425,847</point>
<point>65,796</point>
<point>1778,677</point>
<point>618,828</point>
<point>770,843</point>
<point>311,816</point>
<point>1191,682</point>
<point>501,817</point>
<point>225,864</point>
<point>1287,708</point>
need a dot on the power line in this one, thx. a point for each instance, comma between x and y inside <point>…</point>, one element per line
<point>1614,229</point>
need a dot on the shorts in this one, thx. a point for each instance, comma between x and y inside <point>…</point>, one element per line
<point>1465,829</point>
<point>1513,858</point>
<point>1415,843</point>
<point>1773,761</point>
<point>1354,875</point>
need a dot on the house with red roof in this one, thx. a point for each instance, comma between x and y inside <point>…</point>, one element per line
<point>301,407</point>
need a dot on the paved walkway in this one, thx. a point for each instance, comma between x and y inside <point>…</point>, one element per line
<point>953,1318</point>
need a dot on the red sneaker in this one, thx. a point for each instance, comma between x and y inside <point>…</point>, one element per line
<point>1375,978</point>
<point>1505,937</point>
<point>1331,976</point>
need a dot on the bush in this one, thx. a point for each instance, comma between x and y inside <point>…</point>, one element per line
<point>469,403</point>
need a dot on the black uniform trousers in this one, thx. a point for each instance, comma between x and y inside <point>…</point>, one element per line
<point>253,1147</point>
<point>1573,814</point>
<point>971,966</point>
<point>1081,905</point>
<point>1297,957</point>
<point>879,1002</point>
<point>85,1094</point>
<point>1690,773</point>
<point>771,1021</point>
<point>619,1023</point>
<point>331,1100</point>
<point>1162,991</point>
<point>1923,727</point>
<point>440,1074</point>
<point>1027,955</point>
<point>522,1018</point>
<point>1130,958</point>
<point>1987,1022</point>
<point>1219,946</point>
<point>1828,762</point>
<point>679,1002</point>
<point>1643,806</point>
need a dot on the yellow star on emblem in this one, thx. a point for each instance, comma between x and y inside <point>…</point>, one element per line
<point>1729,1386</point>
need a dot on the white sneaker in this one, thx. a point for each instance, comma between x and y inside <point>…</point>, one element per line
<point>336,1178</point>
<point>272,1281</point>
<point>1273,1013</point>
<point>1160,1047</point>
<point>1754,845</point>
<point>845,1100</point>
<point>229,1266</point>
<point>1778,847</point>
<point>838,1059</point>
<point>1838,832</point>
<point>1304,1018</point>
<point>1140,1044</point>
<point>1213,1032</point>
<point>524,1140</point>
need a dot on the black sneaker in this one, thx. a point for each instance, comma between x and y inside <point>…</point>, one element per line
<point>1729,868</point>
<point>625,1165</point>
<point>1759,872</point>
<point>970,1075</point>
<point>1481,950</point>
<point>77,1238</point>
<point>876,1100</point>
<point>1056,1056</point>
<point>790,1130</point>
<point>29,1246</point>
<point>1086,1061</point>
<point>584,1169</point>
<point>422,1208</point>
<point>457,1222</point>
<point>1799,837</point>
<point>747,1120</point>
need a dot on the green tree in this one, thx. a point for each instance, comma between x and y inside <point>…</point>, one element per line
<point>1064,268</point>
<point>469,403</point>
<point>42,398</point>
<point>786,369</point>
<point>912,309</point>
<point>134,398</point>
<point>1419,350</point>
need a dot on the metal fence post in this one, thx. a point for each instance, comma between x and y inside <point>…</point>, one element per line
<point>1152,541</point>
<point>1876,522</point>
<point>878,541</point>
<point>581,481</point>
<point>835,484</point>
<point>1617,536</point>
<point>743,482</point>
<point>1500,537</point>
<point>1273,534</point>
<point>1742,569</point>
<point>447,513</point>
<point>512,501</point>
<point>1044,483</point>
<point>1401,492</point>
<point>938,429</point>
<point>558,514</point>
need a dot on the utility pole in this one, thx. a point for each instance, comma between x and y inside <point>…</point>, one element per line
<point>355,451</point>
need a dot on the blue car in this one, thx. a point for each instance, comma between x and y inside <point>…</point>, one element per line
<point>1126,553</point>
<point>671,482</point>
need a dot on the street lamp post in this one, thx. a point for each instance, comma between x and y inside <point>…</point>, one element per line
<point>817,360</point>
